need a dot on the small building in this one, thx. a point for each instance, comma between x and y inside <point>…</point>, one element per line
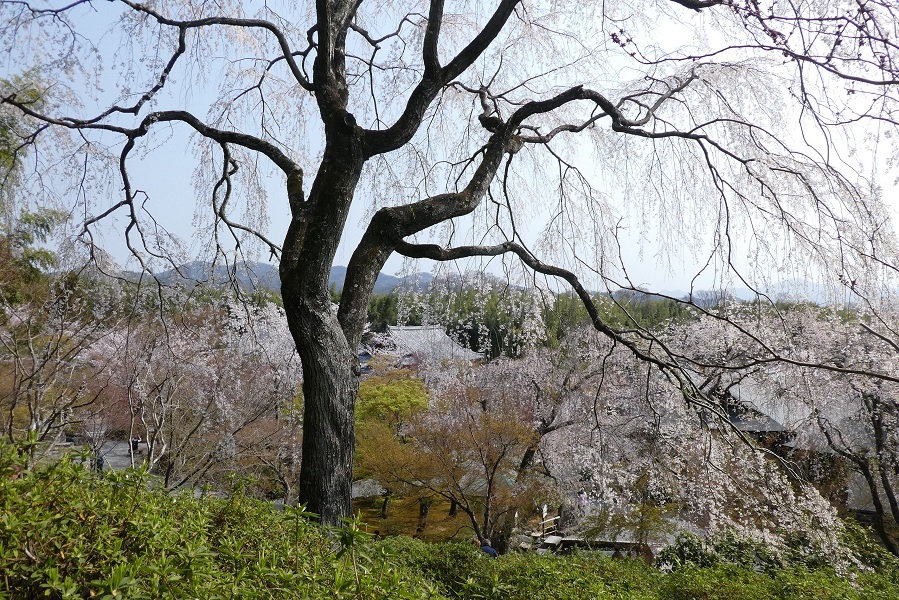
<point>414,345</point>
<point>788,426</point>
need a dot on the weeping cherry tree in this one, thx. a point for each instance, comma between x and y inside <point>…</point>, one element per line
<point>551,137</point>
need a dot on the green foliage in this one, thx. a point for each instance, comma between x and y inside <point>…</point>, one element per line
<point>687,550</point>
<point>11,151</point>
<point>23,260</point>
<point>8,148</point>
<point>495,321</point>
<point>645,520</point>
<point>335,293</point>
<point>587,575</point>
<point>493,318</point>
<point>463,572</point>
<point>734,582</point>
<point>261,297</point>
<point>447,564</point>
<point>67,533</point>
<point>22,231</point>
<point>383,311</point>
<point>691,552</point>
<point>393,397</point>
<point>721,582</point>
<point>867,551</point>
<point>643,311</point>
<point>567,313</point>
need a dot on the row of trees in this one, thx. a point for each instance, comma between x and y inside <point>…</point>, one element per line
<point>209,385</point>
<point>211,390</point>
<point>206,382</point>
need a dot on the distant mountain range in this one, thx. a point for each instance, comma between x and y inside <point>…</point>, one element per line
<point>791,290</point>
<point>263,275</point>
<point>385,283</point>
<point>257,275</point>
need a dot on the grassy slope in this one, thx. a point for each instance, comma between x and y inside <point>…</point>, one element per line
<point>402,519</point>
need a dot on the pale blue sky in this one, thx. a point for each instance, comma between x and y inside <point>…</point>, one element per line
<point>166,176</point>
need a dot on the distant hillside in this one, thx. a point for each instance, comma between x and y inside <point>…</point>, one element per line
<point>385,283</point>
<point>791,290</point>
<point>254,275</point>
<point>264,275</point>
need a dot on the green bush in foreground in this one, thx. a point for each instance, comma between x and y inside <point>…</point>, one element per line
<point>462,571</point>
<point>68,533</point>
<point>857,548</point>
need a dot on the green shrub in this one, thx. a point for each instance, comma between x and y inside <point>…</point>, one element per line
<point>66,532</point>
<point>687,551</point>
<point>877,585</point>
<point>867,551</point>
<point>462,571</point>
<point>732,549</point>
<point>448,564</point>
<point>720,582</point>
<point>749,554</point>
<point>576,577</point>
<point>801,583</point>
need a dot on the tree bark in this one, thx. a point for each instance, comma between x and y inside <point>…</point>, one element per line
<point>878,414</point>
<point>424,509</point>
<point>330,364</point>
<point>384,505</point>
<point>329,389</point>
<point>327,343</point>
<point>878,519</point>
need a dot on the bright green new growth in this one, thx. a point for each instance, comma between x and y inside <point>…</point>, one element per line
<point>393,397</point>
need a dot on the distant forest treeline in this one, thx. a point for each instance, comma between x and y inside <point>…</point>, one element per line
<point>497,320</point>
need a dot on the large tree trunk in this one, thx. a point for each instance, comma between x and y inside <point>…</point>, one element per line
<point>326,349</point>
<point>329,391</point>
<point>878,519</point>
<point>327,344</point>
